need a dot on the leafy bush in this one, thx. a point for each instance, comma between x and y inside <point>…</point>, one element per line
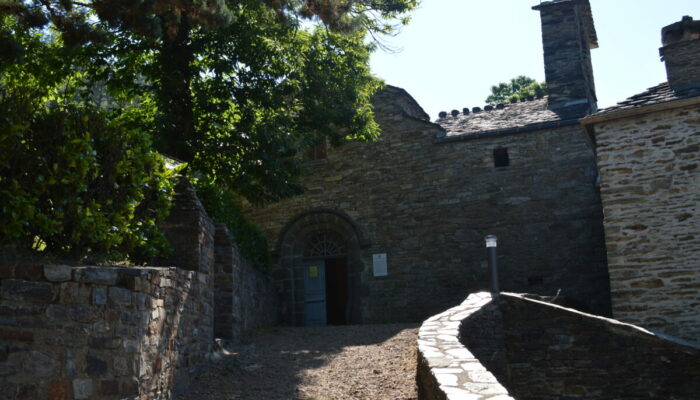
<point>221,206</point>
<point>78,184</point>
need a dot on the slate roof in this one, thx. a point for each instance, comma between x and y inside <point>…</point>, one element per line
<point>512,118</point>
<point>658,94</point>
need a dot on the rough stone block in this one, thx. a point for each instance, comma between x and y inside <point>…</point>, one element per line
<point>95,367</point>
<point>130,387</point>
<point>16,336</point>
<point>40,364</point>
<point>99,296</point>
<point>98,275</point>
<point>58,272</point>
<point>7,269</point>
<point>58,390</point>
<point>131,346</point>
<point>74,293</point>
<point>119,295</point>
<point>82,388</point>
<point>109,387</point>
<point>108,343</point>
<point>83,313</point>
<point>120,366</point>
<point>7,370</point>
<point>33,292</point>
<point>30,272</point>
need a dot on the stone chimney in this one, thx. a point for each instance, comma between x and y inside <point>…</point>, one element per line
<point>568,35</point>
<point>681,52</point>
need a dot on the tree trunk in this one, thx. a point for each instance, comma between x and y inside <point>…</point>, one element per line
<point>177,129</point>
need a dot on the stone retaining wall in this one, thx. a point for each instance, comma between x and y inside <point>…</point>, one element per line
<point>136,333</point>
<point>101,332</point>
<point>245,297</point>
<point>518,348</point>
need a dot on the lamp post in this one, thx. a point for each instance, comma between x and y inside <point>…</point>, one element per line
<point>491,245</point>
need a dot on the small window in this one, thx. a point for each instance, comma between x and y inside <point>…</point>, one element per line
<point>500,158</point>
<point>317,152</point>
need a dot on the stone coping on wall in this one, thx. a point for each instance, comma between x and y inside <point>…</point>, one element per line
<point>447,369</point>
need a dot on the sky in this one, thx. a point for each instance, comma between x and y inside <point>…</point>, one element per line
<point>453,51</point>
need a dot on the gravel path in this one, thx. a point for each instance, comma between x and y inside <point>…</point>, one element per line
<point>361,362</point>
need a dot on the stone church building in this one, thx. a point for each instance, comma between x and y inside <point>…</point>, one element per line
<point>394,230</point>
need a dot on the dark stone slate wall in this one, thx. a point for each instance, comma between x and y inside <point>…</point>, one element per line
<point>245,298</point>
<point>568,35</point>
<point>101,332</point>
<point>554,353</point>
<point>428,205</point>
<point>190,231</point>
<point>107,332</point>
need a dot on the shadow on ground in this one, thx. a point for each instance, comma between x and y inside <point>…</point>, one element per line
<point>320,363</point>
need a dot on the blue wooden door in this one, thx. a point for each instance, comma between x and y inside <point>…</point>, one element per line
<point>315,293</point>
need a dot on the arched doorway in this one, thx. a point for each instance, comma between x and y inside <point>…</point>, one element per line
<point>319,269</point>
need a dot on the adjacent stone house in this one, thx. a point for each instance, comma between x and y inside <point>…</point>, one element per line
<point>393,230</point>
<point>648,151</point>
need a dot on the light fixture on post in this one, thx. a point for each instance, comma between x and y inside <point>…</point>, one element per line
<point>491,245</point>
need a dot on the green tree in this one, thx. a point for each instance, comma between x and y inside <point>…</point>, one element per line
<point>240,77</point>
<point>236,88</point>
<point>77,180</point>
<point>519,88</point>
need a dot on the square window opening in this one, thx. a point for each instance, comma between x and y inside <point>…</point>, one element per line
<point>317,152</point>
<point>500,158</point>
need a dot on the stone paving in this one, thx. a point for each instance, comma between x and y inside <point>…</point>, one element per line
<point>447,365</point>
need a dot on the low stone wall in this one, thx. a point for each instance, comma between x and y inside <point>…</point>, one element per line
<point>101,332</point>
<point>141,333</point>
<point>245,297</point>
<point>448,370</point>
<point>518,348</point>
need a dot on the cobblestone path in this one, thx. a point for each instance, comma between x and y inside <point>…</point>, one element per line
<point>361,362</point>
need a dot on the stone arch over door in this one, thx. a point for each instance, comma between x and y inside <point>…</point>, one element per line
<point>315,235</point>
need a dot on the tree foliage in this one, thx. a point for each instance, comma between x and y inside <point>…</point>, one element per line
<point>236,76</point>
<point>222,206</point>
<point>519,88</point>
<point>76,181</point>
<point>238,89</point>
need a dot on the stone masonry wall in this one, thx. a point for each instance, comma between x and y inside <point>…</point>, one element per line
<point>245,297</point>
<point>428,206</point>
<point>101,332</point>
<point>135,333</point>
<point>557,353</point>
<point>517,348</point>
<point>650,186</point>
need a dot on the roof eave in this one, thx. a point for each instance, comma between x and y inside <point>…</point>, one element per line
<point>507,131</point>
<point>641,110</point>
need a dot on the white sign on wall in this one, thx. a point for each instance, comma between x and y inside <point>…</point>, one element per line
<point>379,264</point>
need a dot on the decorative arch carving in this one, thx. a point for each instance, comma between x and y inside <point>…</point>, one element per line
<point>333,217</point>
